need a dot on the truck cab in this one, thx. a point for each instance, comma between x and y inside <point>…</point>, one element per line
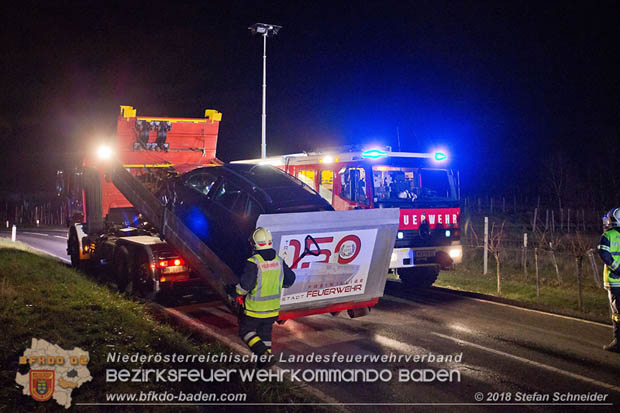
<point>419,184</point>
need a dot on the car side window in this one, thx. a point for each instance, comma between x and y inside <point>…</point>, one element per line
<point>253,209</point>
<point>229,196</point>
<point>202,182</point>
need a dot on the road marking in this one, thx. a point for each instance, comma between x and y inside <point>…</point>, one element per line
<point>58,236</point>
<point>405,301</point>
<point>530,362</point>
<point>35,233</point>
<point>398,345</point>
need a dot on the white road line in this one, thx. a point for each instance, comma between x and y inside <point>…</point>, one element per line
<point>35,233</point>
<point>58,236</point>
<point>531,363</point>
<point>398,345</point>
<point>405,301</point>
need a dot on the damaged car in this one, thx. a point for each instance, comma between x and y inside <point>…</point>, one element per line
<point>221,204</point>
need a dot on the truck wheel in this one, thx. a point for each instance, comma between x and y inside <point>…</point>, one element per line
<point>419,277</point>
<point>121,269</point>
<point>143,285</point>
<point>74,250</point>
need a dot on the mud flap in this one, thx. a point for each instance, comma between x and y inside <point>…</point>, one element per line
<point>352,263</point>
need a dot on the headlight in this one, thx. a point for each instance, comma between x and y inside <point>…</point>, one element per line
<point>400,235</point>
<point>455,252</point>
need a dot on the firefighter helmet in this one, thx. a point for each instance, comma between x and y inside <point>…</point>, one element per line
<point>611,219</point>
<point>261,239</point>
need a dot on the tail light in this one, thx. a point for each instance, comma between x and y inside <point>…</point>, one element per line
<point>173,269</point>
<point>173,262</point>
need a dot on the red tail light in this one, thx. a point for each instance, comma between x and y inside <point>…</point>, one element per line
<point>174,262</point>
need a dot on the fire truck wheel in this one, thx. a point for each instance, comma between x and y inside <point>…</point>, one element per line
<point>143,285</point>
<point>418,277</point>
<point>121,269</point>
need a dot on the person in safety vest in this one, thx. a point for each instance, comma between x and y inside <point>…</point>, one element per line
<point>259,291</point>
<point>609,251</point>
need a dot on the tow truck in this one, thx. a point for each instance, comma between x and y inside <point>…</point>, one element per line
<point>418,184</point>
<point>120,226</point>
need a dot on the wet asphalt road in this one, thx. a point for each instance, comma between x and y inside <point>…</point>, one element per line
<point>508,353</point>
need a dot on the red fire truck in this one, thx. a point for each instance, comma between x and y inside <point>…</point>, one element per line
<point>420,184</point>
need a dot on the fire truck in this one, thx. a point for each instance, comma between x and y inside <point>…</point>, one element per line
<point>121,226</point>
<point>419,184</point>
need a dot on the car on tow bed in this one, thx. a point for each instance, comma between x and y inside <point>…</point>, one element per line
<point>221,204</point>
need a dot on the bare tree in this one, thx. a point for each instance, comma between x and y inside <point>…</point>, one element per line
<point>557,176</point>
<point>579,248</point>
<point>495,247</point>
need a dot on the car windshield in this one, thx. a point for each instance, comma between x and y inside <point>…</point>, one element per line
<point>408,184</point>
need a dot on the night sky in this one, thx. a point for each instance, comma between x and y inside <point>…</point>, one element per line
<point>502,85</point>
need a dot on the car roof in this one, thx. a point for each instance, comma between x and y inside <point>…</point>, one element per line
<point>276,190</point>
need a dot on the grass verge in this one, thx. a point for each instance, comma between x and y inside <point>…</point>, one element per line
<point>553,296</point>
<point>41,298</point>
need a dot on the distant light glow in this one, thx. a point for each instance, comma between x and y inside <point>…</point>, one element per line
<point>374,154</point>
<point>448,233</point>
<point>400,235</point>
<point>455,252</point>
<point>328,159</point>
<point>440,156</point>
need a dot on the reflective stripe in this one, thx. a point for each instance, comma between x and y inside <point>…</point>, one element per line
<point>253,341</point>
<point>240,290</point>
<point>604,248</point>
<point>269,297</point>
<point>249,335</point>
<point>615,253</point>
<point>257,314</point>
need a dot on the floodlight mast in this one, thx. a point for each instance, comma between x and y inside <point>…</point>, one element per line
<point>264,30</point>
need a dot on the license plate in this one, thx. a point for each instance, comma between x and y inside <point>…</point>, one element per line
<point>175,269</point>
<point>425,253</point>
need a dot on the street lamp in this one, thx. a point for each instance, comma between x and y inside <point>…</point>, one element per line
<point>265,30</point>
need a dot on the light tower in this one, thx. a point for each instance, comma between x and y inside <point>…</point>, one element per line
<point>265,30</point>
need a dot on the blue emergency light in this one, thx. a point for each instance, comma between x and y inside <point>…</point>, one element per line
<point>373,154</point>
<point>440,156</point>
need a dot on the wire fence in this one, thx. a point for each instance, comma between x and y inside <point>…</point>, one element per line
<point>528,251</point>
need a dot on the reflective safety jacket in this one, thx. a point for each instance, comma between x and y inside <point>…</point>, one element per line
<point>263,278</point>
<point>609,251</point>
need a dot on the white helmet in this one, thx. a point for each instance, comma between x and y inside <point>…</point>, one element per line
<point>261,239</point>
<point>611,219</point>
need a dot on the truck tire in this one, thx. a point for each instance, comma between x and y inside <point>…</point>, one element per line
<point>143,284</point>
<point>73,248</point>
<point>122,270</point>
<point>419,277</point>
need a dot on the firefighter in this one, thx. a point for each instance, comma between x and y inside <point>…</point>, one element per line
<point>259,291</point>
<point>609,251</point>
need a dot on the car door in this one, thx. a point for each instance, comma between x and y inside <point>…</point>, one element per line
<point>228,202</point>
<point>192,205</point>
